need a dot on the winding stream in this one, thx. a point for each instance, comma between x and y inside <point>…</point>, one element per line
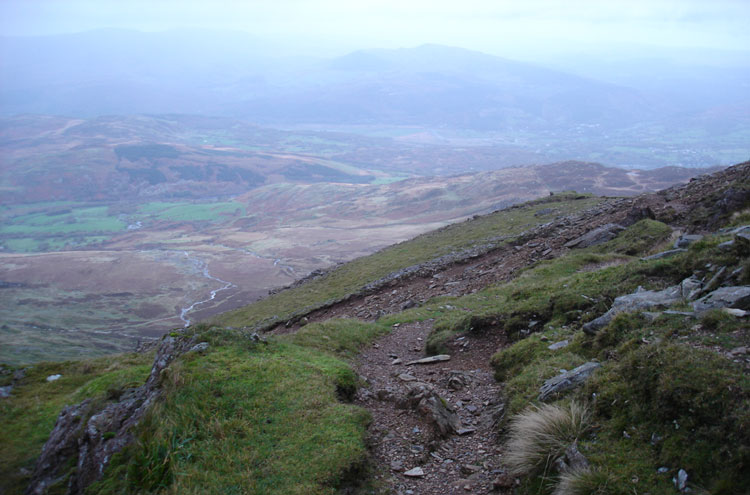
<point>202,267</point>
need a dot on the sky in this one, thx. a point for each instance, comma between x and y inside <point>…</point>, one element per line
<point>491,26</point>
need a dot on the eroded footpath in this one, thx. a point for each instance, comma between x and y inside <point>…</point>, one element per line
<point>434,425</point>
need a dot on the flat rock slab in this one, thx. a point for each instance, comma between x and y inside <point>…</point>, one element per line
<point>432,359</point>
<point>665,254</point>
<point>725,297</point>
<point>637,301</point>
<point>597,236</point>
<point>558,345</point>
<point>566,381</point>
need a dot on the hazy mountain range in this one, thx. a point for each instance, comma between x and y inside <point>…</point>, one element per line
<point>636,117</point>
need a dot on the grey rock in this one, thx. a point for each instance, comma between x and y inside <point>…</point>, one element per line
<point>423,398</point>
<point>416,472</point>
<point>572,460</point>
<point>737,297</point>
<point>737,230</point>
<point>5,391</point>
<point>201,348</point>
<point>690,287</point>
<point>599,235</point>
<point>405,377</point>
<point>458,380</point>
<point>687,239</point>
<point>429,360</point>
<point>566,381</point>
<point>637,301</point>
<point>664,254</point>
<point>680,482</point>
<point>558,345</point>
<point>53,378</point>
<point>397,466</point>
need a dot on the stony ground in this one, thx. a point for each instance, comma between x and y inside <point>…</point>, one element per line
<point>404,438</point>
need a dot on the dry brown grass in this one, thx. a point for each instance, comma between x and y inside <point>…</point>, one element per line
<point>540,435</point>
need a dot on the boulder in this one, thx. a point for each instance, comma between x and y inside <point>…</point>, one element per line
<point>686,239</point>
<point>599,235</point>
<point>566,381</point>
<point>639,300</point>
<point>737,297</point>
<point>5,391</point>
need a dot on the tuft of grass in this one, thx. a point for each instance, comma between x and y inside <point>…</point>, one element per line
<point>539,436</point>
<point>584,482</point>
<point>639,239</point>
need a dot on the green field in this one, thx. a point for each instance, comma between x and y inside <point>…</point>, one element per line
<point>55,226</point>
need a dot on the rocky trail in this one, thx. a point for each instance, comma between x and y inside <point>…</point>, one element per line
<point>433,429</point>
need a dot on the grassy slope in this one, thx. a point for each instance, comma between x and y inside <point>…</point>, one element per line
<point>253,418</point>
<point>268,418</point>
<point>350,277</point>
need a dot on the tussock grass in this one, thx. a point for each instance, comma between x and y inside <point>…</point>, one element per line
<point>583,482</point>
<point>540,435</point>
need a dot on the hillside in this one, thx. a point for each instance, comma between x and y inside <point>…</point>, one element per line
<point>315,388</point>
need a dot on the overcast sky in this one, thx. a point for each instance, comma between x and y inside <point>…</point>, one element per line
<point>493,26</point>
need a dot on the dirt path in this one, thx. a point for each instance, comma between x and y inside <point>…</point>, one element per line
<point>404,437</point>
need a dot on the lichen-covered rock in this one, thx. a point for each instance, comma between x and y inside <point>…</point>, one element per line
<point>639,300</point>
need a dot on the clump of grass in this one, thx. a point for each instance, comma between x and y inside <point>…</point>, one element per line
<point>539,436</point>
<point>639,239</point>
<point>583,482</point>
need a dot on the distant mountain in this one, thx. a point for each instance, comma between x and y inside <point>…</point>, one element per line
<point>120,71</point>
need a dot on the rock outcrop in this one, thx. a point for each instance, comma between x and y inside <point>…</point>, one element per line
<point>639,300</point>
<point>88,436</point>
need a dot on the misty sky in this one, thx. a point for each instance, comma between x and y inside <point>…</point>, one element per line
<point>493,26</point>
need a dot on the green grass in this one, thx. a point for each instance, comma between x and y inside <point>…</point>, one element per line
<point>352,276</point>
<point>253,418</point>
<point>28,416</point>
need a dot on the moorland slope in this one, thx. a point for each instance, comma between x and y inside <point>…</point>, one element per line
<point>318,388</point>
